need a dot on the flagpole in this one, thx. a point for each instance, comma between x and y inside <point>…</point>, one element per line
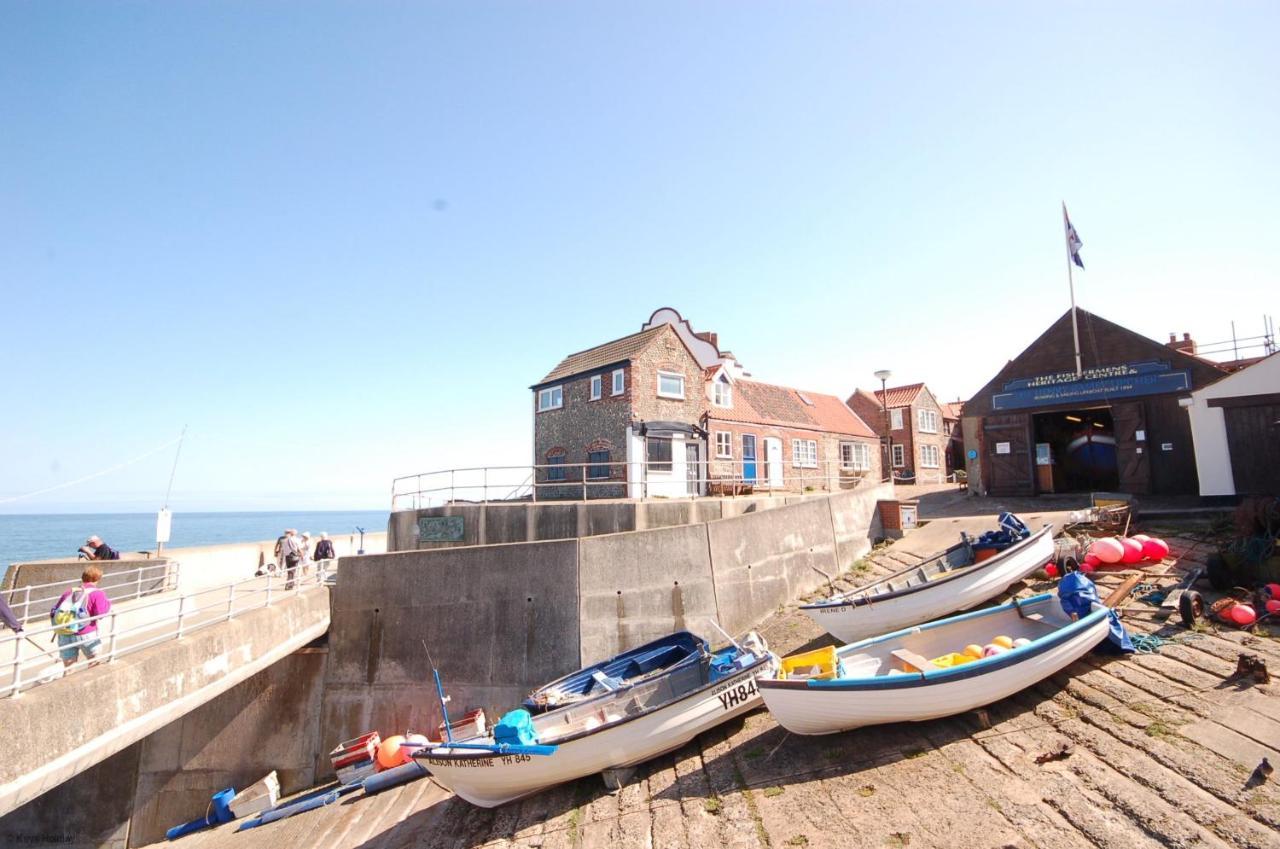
<point>1071,285</point>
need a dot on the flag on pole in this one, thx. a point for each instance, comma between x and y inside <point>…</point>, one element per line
<point>1073,239</point>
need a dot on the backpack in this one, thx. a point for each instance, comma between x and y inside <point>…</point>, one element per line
<point>72,615</point>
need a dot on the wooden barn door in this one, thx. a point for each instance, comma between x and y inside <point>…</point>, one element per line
<point>1132,455</point>
<point>1007,440</point>
<point>1253,438</point>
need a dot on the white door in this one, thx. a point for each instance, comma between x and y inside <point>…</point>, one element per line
<point>773,461</point>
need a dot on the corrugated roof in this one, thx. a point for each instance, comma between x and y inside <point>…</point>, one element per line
<point>603,355</point>
<point>767,404</point>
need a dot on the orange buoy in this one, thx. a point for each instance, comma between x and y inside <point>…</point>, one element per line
<point>390,755</point>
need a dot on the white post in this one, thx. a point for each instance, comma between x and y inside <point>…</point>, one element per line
<point>17,667</point>
<point>26,605</point>
<point>137,590</point>
<point>182,612</point>
<point>231,600</point>
<point>111,646</point>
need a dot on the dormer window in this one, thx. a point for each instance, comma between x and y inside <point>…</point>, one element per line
<point>722,392</point>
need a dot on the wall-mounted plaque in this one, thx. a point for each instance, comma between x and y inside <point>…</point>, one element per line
<point>1002,448</point>
<point>440,528</point>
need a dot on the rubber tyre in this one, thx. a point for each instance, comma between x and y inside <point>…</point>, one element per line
<point>1190,608</point>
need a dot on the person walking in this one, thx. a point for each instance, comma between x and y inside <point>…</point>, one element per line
<point>292,550</point>
<point>77,614</point>
<point>324,548</point>
<point>279,553</point>
<point>306,553</point>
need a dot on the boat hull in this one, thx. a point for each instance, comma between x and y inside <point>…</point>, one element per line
<point>828,708</point>
<point>850,622</point>
<point>489,780</point>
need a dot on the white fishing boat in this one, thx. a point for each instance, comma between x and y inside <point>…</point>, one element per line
<point>930,671</point>
<point>619,729</point>
<point>956,579</point>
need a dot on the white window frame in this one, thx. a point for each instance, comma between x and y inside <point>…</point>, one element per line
<point>597,387</point>
<point>804,453</point>
<point>722,393</point>
<point>619,381</point>
<point>859,459</point>
<point>928,456</point>
<point>724,445</point>
<point>551,398</point>
<point>928,420</point>
<point>895,418</point>
<point>899,455</point>
<point>674,375</point>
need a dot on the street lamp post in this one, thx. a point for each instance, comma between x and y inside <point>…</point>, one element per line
<point>887,460</point>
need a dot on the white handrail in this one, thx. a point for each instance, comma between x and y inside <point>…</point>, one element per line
<point>168,570</point>
<point>624,478</point>
<point>172,626</point>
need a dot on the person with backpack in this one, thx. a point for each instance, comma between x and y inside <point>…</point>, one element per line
<point>324,548</point>
<point>76,616</point>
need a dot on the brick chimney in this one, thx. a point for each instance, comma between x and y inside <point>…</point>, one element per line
<point>708,336</point>
<point>1186,344</point>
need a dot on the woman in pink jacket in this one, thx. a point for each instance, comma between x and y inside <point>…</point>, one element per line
<point>95,604</point>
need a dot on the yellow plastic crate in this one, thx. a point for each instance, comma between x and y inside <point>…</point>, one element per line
<point>952,659</point>
<point>820,663</point>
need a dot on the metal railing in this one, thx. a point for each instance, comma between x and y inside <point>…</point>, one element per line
<point>36,600</point>
<point>194,611</point>
<point>618,479</point>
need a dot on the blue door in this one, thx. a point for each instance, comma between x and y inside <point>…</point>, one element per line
<point>748,458</point>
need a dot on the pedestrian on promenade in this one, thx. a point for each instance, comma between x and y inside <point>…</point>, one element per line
<point>292,550</point>
<point>306,553</point>
<point>6,615</point>
<point>77,612</point>
<point>95,549</point>
<point>324,548</point>
<point>280,549</point>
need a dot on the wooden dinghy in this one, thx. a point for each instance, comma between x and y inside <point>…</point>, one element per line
<point>953,580</point>
<point>925,672</point>
<point>617,729</point>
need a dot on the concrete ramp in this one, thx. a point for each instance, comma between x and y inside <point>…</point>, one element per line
<point>57,730</point>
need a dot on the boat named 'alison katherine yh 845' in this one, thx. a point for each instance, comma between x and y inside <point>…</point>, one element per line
<point>618,722</point>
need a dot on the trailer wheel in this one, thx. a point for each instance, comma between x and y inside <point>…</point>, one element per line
<point>1190,607</point>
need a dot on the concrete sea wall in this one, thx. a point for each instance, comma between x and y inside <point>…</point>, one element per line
<point>500,620</point>
<point>530,521</point>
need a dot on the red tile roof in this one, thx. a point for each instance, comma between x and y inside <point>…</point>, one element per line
<point>952,409</point>
<point>899,396</point>
<point>767,404</point>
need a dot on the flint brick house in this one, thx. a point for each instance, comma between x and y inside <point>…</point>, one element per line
<point>917,433</point>
<point>665,412</point>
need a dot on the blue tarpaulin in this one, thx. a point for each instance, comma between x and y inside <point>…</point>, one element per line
<point>1078,595</point>
<point>515,728</point>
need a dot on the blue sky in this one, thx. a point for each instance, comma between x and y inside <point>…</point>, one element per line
<point>339,241</point>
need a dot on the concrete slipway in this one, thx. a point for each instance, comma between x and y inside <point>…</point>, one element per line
<point>1159,751</point>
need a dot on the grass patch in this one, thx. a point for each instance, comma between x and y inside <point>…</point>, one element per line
<point>1160,729</point>
<point>712,805</point>
<point>575,820</point>
<point>912,754</point>
<point>860,567</point>
<point>761,833</point>
<point>898,838</point>
<point>798,840</point>
<point>770,792</point>
<point>867,790</point>
<point>754,754</point>
<point>957,767</point>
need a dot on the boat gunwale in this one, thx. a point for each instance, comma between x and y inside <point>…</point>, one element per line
<point>963,572</point>
<point>607,726</point>
<point>949,675</point>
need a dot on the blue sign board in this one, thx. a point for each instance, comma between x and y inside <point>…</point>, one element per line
<point>1105,383</point>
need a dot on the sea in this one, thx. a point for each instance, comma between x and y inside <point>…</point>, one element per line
<point>26,537</point>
